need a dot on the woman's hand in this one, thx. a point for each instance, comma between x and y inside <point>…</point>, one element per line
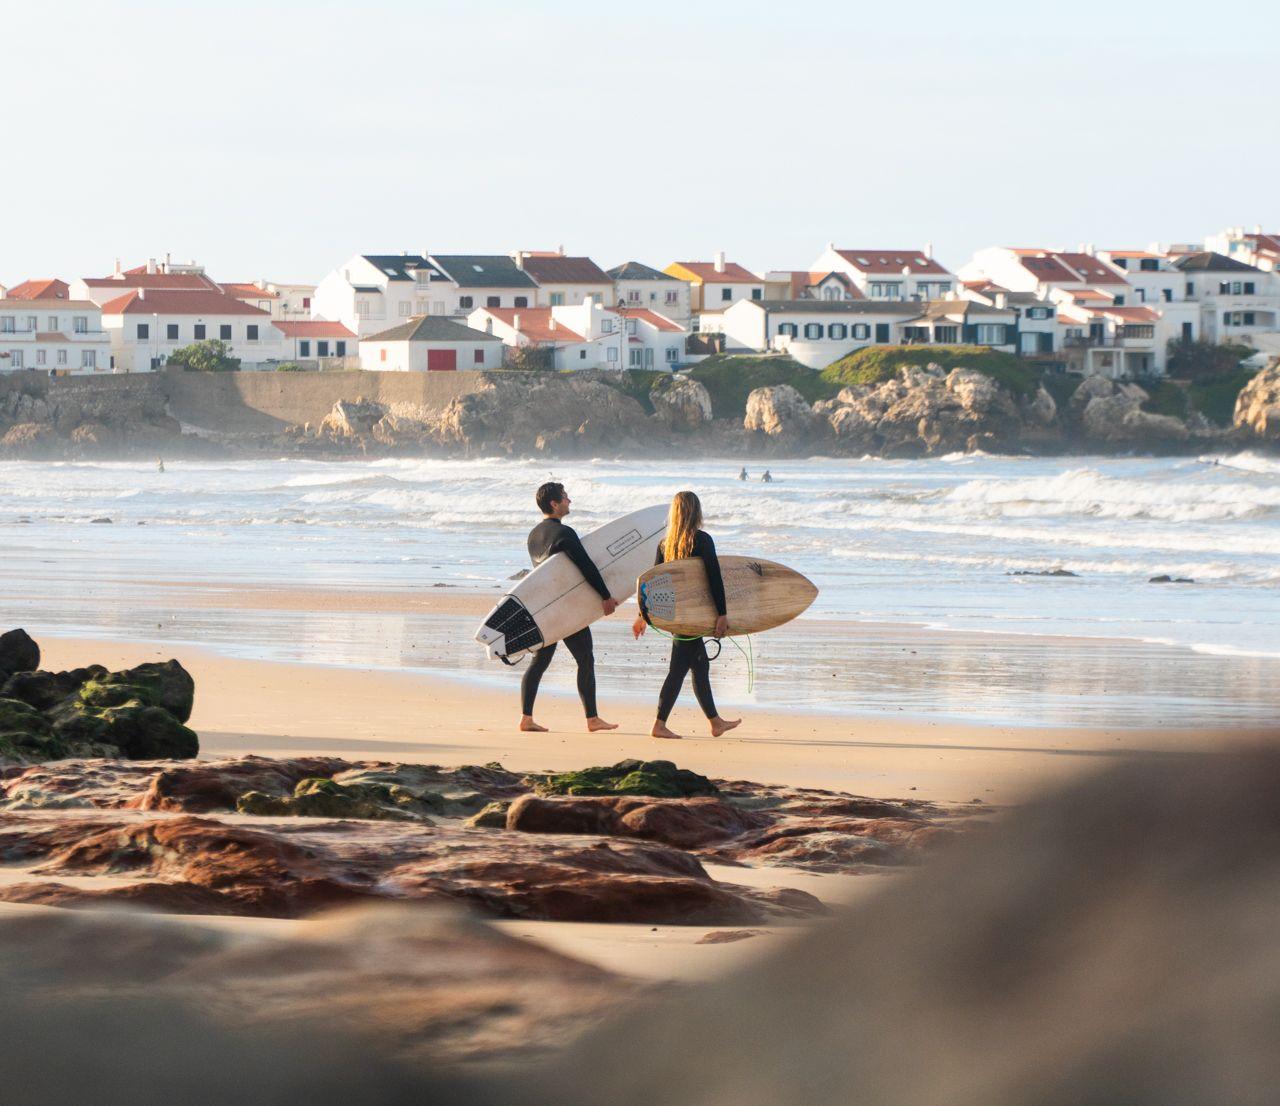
<point>638,627</point>
<point>722,626</point>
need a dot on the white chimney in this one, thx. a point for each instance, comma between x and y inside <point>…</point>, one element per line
<point>928,250</point>
<point>831,246</point>
<point>560,249</point>
<point>262,283</point>
<point>167,262</point>
<point>719,261</point>
<point>518,256</point>
<point>142,293</point>
<point>119,272</point>
<point>151,264</point>
<point>515,322</point>
<point>1000,299</point>
<point>1257,228</point>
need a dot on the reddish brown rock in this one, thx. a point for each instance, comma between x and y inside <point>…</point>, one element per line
<point>684,823</point>
<point>202,787</point>
<point>188,863</point>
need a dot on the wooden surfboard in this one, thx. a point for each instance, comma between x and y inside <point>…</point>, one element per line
<point>554,600</point>
<point>759,595</point>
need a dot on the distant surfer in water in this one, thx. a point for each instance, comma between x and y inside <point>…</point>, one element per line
<point>552,536</point>
<point>743,474</point>
<point>685,539</point>
<point>767,478</point>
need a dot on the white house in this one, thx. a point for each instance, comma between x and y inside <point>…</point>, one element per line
<point>1038,332</point>
<point>428,343</point>
<point>480,280</point>
<point>638,285</point>
<point>315,340</point>
<point>714,285</point>
<point>889,274</point>
<point>1256,248</point>
<point>1237,302</point>
<point>963,322</point>
<point>565,280</point>
<point>579,336</point>
<point>788,284</point>
<point>54,335</point>
<point>814,332</point>
<point>281,301</point>
<point>146,325</point>
<point>653,340</point>
<point>371,292</point>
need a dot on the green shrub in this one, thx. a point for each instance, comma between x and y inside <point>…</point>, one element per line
<point>289,367</point>
<point>879,363</point>
<point>1215,396</point>
<point>210,356</point>
<point>730,378</point>
<point>1166,398</point>
<point>1195,360</point>
<point>636,383</point>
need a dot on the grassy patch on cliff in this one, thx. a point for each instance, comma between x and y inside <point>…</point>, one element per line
<point>878,363</point>
<point>1167,398</point>
<point>636,383</point>
<point>1215,396</point>
<point>730,378</point>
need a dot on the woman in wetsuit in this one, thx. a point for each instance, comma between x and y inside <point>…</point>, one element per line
<point>685,539</point>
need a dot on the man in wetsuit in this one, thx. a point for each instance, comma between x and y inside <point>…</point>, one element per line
<point>552,536</point>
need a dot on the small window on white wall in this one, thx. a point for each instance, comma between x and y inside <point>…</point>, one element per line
<point>813,330</point>
<point>673,354</point>
<point>861,331</point>
<point>406,309</point>
<point>613,353</point>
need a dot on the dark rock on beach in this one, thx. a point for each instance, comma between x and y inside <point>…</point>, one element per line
<point>138,713</point>
<point>18,653</point>
<point>659,778</point>
<point>1166,579</point>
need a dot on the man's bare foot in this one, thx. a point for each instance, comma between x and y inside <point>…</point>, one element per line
<point>596,724</point>
<point>660,729</point>
<point>528,725</point>
<point>723,725</point>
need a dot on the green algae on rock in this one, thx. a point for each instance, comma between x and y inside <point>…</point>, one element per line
<point>325,798</point>
<point>657,778</point>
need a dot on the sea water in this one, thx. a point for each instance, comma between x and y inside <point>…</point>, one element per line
<point>953,544</point>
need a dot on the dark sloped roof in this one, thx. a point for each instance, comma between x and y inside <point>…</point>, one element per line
<point>565,270</point>
<point>1213,263</point>
<point>431,328</point>
<point>396,266</point>
<point>635,270</point>
<point>483,270</point>
<point>840,307</point>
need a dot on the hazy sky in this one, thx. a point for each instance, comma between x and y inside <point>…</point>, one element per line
<point>276,139</point>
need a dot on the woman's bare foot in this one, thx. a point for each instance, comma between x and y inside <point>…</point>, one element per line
<point>594,725</point>
<point>723,725</point>
<point>660,729</point>
<point>528,725</point>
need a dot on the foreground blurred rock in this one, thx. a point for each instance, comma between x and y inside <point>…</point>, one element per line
<point>1114,943</point>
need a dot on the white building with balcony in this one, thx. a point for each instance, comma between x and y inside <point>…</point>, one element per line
<point>1237,302</point>
<point>889,274</point>
<point>59,336</point>
<point>640,286</point>
<point>653,340</point>
<point>147,325</point>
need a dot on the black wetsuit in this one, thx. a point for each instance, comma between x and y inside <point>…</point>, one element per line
<point>552,536</point>
<point>691,656</point>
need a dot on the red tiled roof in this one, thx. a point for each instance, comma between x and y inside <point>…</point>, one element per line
<point>1091,294</point>
<point>884,262</point>
<point>181,302</point>
<point>1262,243</point>
<point>311,328</point>
<point>1135,314</point>
<point>733,273</point>
<point>1092,269</point>
<point>133,279</point>
<point>1133,253</point>
<point>535,324</point>
<point>51,289</point>
<point>249,291</point>
<point>651,317</point>
<point>555,269</point>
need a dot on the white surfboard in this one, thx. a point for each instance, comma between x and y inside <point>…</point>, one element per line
<point>554,600</point>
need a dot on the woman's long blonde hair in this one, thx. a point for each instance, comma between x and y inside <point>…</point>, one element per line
<point>683,524</point>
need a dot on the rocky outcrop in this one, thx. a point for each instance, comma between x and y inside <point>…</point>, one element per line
<point>137,713</point>
<point>1113,415</point>
<point>682,823</point>
<point>779,413</point>
<point>658,778</point>
<point>680,402</point>
<point>928,411</point>
<point>1258,406</point>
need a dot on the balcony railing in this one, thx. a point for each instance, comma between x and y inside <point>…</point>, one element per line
<point>1126,336</point>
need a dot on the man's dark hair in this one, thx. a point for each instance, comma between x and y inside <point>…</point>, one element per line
<point>547,495</point>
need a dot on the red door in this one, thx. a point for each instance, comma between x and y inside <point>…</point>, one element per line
<point>442,360</point>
